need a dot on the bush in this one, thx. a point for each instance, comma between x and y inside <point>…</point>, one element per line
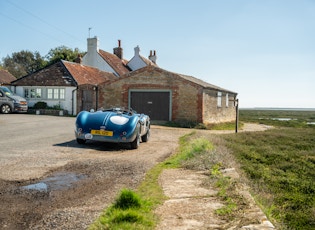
<point>40,105</point>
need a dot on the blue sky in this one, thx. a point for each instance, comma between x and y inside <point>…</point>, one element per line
<point>262,49</point>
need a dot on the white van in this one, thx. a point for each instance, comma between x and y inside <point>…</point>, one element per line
<point>9,102</point>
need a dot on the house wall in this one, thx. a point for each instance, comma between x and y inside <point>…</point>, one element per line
<point>68,103</point>
<point>186,96</point>
<point>214,113</point>
<point>136,61</point>
<point>95,60</point>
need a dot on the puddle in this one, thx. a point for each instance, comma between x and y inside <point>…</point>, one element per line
<point>58,181</point>
<point>283,119</point>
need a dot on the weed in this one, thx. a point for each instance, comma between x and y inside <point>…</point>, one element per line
<point>127,199</point>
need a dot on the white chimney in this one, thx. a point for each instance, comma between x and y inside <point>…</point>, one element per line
<point>92,45</point>
<point>137,51</point>
<point>153,57</point>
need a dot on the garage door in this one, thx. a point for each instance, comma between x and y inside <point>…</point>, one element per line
<point>154,104</point>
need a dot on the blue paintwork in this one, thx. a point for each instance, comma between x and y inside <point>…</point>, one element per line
<point>132,124</point>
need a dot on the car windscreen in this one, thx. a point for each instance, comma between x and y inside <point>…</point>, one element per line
<point>6,91</point>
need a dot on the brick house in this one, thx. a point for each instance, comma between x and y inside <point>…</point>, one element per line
<point>169,96</point>
<point>66,85</point>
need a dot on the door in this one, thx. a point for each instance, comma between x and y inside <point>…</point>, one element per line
<point>154,104</point>
<point>87,100</point>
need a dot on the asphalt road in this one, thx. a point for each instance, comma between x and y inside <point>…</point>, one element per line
<point>25,140</point>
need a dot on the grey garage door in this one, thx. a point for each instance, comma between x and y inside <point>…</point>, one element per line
<point>154,104</point>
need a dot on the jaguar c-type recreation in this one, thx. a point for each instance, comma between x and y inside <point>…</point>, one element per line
<point>116,125</point>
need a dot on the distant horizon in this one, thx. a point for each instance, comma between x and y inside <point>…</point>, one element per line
<point>278,108</point>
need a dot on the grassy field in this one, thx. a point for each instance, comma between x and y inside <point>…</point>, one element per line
<point>280,164</point>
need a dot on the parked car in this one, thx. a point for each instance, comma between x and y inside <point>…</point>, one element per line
<point>10,102</point>
<point>117,125</point>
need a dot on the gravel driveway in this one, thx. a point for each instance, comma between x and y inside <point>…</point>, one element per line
<point>48,181</point>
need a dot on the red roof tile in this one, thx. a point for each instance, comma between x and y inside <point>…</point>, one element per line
<point>119,65</point>
<point>86,74</point>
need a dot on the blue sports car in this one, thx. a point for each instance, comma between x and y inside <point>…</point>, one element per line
<point>116,125</point>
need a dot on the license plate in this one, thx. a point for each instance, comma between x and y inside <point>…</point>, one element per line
<point>102,132</point>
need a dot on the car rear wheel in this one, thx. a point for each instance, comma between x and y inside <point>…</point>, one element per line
<point>6,109</point>
<point>135,144</point>
<point>81,141</point>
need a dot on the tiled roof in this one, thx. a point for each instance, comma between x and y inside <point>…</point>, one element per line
<point>203,83</point>
<point>86,74</point>
<point>147,61</point>
<point>6,77</point>
<point>194,80</point>
<point>115,62</point>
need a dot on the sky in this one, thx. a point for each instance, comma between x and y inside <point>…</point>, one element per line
<point>262,49</point>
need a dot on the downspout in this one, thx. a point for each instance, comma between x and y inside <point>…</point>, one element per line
<point>73,99</point>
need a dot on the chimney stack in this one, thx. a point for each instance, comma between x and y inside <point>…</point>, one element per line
<point>153,57</point>
<point>79,59</point>
<point>118,51</point>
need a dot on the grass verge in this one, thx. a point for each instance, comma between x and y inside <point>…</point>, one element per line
<point>134,209</point>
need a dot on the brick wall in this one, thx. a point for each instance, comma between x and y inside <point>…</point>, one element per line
<point>186,96</point>
<point>212,113</point>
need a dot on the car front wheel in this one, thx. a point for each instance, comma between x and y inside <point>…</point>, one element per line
<point>146,136</point>
<point>6,109</point>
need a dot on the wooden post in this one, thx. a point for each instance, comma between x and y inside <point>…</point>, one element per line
<point>237,115</point>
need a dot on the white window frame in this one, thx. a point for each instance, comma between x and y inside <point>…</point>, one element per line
<point>56,93</point>
<point>219,99</point>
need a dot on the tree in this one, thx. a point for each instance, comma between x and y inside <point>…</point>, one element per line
<point>63,53</point>
<point>23,63</point>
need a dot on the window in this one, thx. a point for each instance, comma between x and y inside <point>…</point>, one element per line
<point>227,100</point>
<point>62,94</point>
<point>219,99</point>
<point>33,93</point>
<point>49,93</point>
<point>55,94</point>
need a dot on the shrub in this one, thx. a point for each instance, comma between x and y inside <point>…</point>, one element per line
<point>40,105</point>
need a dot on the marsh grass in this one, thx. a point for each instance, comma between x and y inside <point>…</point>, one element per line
<point>280,164</point>
<point>279,118</point>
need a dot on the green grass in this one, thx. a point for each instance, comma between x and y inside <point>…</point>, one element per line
<point>280,164</point>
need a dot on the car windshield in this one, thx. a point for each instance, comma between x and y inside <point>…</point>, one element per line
<point>6,91</point>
